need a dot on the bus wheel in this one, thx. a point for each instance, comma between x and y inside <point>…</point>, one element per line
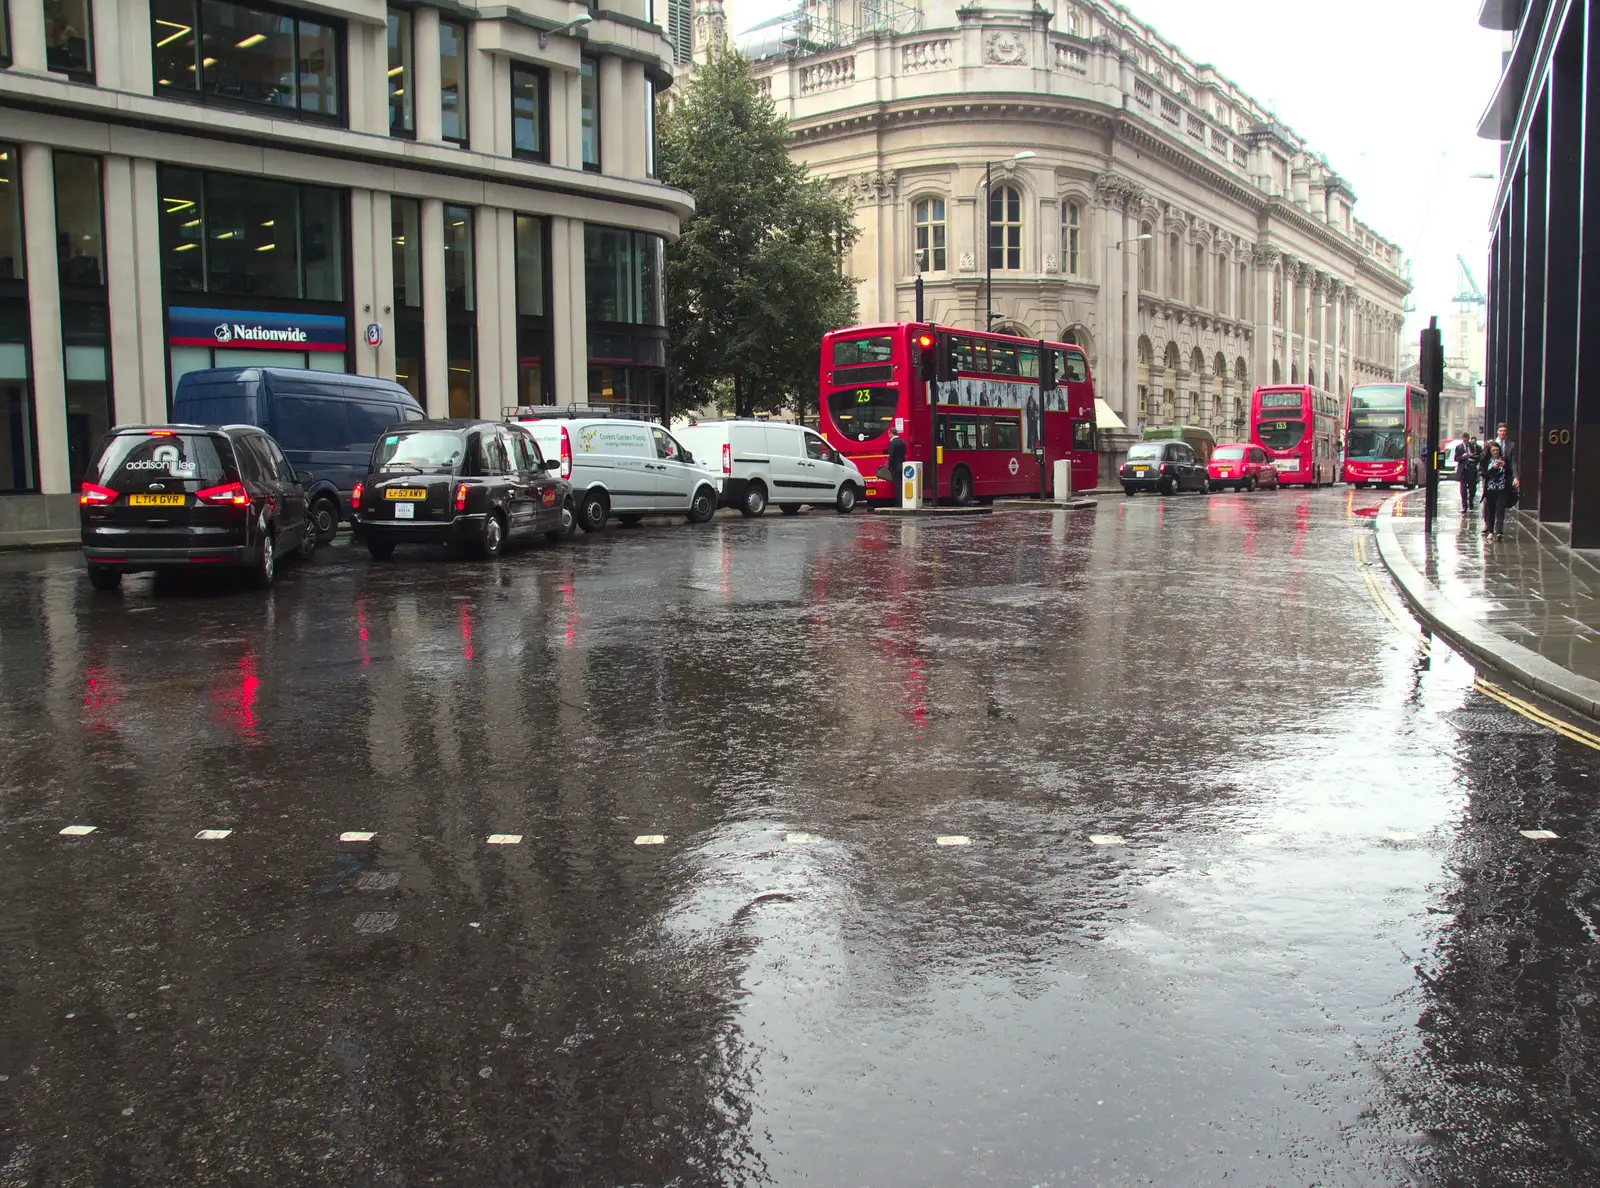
<point>961,487</point>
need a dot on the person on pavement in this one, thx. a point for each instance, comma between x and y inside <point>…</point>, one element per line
<point>1507,447</point>
<point>1498,481</point>
<point>1466,459</point>
<point>897,461</point>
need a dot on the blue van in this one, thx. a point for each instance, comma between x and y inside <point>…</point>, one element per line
<point>326,422</point>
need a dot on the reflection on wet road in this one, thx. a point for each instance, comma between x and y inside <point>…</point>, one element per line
<point>641,861</point>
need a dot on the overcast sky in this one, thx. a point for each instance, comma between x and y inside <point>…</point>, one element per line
<point>1389,90</point>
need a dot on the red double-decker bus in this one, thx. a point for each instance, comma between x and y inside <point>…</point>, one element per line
<point>1384,435</point>
<point>1298,426</point>
<point>1006,408</point>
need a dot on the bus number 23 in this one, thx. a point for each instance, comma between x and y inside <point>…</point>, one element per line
<point>863,396</point>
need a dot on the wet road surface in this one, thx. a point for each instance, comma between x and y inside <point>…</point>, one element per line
<point>1144,846</point>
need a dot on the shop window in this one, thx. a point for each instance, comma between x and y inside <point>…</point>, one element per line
<point>460,341</point>
<point>589,85</point>
<point>402,104</point>
<point>458,294</point>
<point>68,37</point>
<point>215,51</point>
<point>405,221</point>
<point>79,234</point>
<point>244,236</point>
<point>1005,228</point>
<point>19,470</point>
<point>408,357</point>
<point>453,81</point>
<point>622,271</point>
<point>11,257</point>
<point>529,88</point>
<point>930,231</point>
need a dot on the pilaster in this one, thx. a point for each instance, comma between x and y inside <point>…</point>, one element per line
<point>425,71</point>
<point>435,345</point>
<point>44,307</point>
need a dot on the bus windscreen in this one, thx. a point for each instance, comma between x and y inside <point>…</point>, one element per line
<point>1281,435</point>
<point>1376,436</point>
<point>862,414</point>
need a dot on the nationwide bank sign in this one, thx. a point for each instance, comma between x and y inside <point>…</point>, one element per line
<point>254,330</point>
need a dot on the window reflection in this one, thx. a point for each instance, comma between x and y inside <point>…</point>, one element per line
<point>246,55</point>
<point>405,223</point>
<point>79,238</point>
<point>11,263</point>
<point>453,81</point>
<point>530,266</point>
<point>590,87</point>
<point>402,107</point>
<point>622,272</point>
<point>458,257</point>
<point>528,112</point>
<point>68,38</point>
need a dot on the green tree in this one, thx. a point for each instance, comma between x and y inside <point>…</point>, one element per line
<point>754,280</point>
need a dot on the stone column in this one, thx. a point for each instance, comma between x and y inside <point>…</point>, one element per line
<point>425,77</point>
<point>436,369</point>
<point>563,117</point>
<point>363,294</point>
<point>634,89</point>
<point>507,304</point>
<point>1263,259</point>
<point>489,256</point>
<point>1303,288</point>
<point>1338,338</point>
<point>613,118</point>
<point>383,278</point>
<point>27,36</point>
<point>105,19</point>
<point>1128,353</point>
<point>133,291</point>
<point>44,306</point>
<point>569,318</point>
<point>1109,224</point>
<point>486,107</point>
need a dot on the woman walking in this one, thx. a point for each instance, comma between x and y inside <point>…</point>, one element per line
<point>1498,481</point>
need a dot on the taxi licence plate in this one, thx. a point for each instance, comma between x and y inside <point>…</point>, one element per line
<point>156,500</point>
<point>405,511</point>
<point>410,493</point>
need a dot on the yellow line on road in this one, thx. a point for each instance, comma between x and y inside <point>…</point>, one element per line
<point>1536,715</point>
<point>1381,600</point>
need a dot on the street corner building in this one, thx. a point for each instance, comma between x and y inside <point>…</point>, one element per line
<point>1544,260</point>
<point>462,199</point>
<point>1138,203</point>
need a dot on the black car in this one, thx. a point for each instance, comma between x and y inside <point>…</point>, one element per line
<point>1165,466</point>
<point>186,496</point>
<point>472,484</point>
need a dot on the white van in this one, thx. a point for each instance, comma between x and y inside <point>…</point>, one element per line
<point>623,468</point>
<point>774,461</point>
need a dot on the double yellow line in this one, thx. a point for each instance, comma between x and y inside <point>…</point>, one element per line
<point>1492,691</point>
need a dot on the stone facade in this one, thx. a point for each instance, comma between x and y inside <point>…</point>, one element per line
<point>1255,268</point>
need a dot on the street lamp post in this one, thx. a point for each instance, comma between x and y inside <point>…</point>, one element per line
<point>920,254</point>
<point>988,237</point>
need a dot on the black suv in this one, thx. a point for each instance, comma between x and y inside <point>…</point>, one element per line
<point>1165,466</point>
<point>185,496</point>
<point>472,484</point>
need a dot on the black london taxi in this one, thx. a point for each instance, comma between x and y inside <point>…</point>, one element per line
<point>471,484</point>
<point>1165,466</point>
<point>186,496</point>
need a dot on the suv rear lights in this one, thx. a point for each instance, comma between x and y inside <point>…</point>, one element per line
<point>91,495</point>
<point>566,454</point>
<point>355,497</point>
<point>727,458</point>
<point>461,491</point>
<point>227,495</point>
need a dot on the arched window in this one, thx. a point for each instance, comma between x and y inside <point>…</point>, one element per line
<point>1147,260</point>
<point>1222,284</point>
<point>1071,230</point>
<point>930,234</point>
<point>1005,228</point>
<point>1277,372</point>
<point>1174,267</point>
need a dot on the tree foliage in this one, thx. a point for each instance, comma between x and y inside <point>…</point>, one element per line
<point>754,280</point>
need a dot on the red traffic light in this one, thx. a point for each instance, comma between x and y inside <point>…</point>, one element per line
<point>925,342</point>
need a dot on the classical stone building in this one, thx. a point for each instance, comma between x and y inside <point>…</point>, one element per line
<point>459,197</point>
<point>1137,203</point>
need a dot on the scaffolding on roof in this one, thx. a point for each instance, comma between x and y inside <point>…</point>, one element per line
<point>818,26</point>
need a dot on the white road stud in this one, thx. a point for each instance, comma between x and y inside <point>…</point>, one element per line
<point>213,834</point>
<point>1108,839</point>
<point>1403,837</point>
<point>799,839</point>
<point>351,835</point>
<point>1538,834</point>
<point>77,830</point>
<point>952,839</point>
<point>650,839</point>
<point>505,839</point>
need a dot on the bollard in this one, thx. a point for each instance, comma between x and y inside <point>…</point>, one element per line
<point>1063,480</point>
<point>911,485</point>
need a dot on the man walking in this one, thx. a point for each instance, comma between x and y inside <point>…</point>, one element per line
<point>1507,446</point>
<point>1467,458</point>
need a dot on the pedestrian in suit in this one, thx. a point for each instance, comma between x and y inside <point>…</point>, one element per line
<point>1499,480</point>
<point>1507,446</point>
<point>1467,459</point>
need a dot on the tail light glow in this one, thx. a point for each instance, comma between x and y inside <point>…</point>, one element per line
<point>566,454</point>
<point>461,497</point>
<point>1166,468</point>
<point>92,495</point>
<point>227,495</point>
<point>162,433</point>
<point>355,497</point>
<point>727,458</point>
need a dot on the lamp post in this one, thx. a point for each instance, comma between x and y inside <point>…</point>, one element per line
<point>1122,245</point>
<point>988,237</point>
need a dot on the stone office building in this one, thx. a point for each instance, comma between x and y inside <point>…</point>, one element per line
<point>461,199</point>
<point>1138,202</point>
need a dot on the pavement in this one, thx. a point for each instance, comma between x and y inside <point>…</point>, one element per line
<point>1150,846</point>
<point>1527,606</point>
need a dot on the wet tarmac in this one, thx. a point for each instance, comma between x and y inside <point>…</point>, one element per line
<point>1150,845</point>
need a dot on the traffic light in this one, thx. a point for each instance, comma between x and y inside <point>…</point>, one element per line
<point>949,358</point>
<point>927,359</point>
<point>1048,379</point>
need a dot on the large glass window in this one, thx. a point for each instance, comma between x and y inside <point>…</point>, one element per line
<point>19,469</point>
<point>86,340</point>
<point>79,230</point>
<point>11,259</point>
<point>68,37</point>
<point>532,330</point>
<point>453,81</point>
<point>402,105</point>
<point>528,108</point>
<point>231,53</point>
<point>649,128</point>
<point>1071,242</point>
<point>623,272</point>
<point>460,341</point>
<point>458,294</point>
<point>250,237</point>
<point>405,221</point>
<point>1005,228</point>
<point>408,357</point>
<point>590,87</point>
<point>530,266</point>
<point>5,33</point>
<point>930,229</point>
